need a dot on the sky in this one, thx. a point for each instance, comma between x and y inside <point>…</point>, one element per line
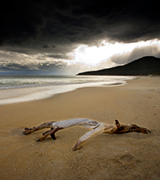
<point>65,37</point>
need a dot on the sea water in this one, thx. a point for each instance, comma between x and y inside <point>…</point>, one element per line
<point>8,82</point>
<point>26,88</point>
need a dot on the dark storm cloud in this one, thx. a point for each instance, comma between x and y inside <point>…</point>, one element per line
<point>47,24</point>
<point>37,35</point>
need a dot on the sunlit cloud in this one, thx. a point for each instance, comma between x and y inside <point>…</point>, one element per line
<point>92,56</point>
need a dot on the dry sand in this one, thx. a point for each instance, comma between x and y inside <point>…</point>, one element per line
<point>126,156</point>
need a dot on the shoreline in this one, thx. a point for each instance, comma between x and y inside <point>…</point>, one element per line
<point>126,156</point>
<point>18,95</point>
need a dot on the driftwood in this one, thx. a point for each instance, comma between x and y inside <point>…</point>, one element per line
<point>97,128</point>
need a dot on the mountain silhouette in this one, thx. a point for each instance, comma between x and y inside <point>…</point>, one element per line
<point>148,65</point>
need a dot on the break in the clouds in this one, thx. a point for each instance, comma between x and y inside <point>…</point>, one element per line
<point>55,35</point>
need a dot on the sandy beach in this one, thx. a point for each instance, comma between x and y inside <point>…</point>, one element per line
<point>104,157</point>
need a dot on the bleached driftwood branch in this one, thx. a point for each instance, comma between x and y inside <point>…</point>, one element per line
<point>97,128</point>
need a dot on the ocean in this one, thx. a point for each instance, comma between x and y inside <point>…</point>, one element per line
<point>26,88</point>
<point>8,82</point>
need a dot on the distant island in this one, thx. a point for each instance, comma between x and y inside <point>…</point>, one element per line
<point>148,65</point>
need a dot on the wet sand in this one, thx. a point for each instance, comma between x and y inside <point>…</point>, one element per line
<point>123,156</point>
